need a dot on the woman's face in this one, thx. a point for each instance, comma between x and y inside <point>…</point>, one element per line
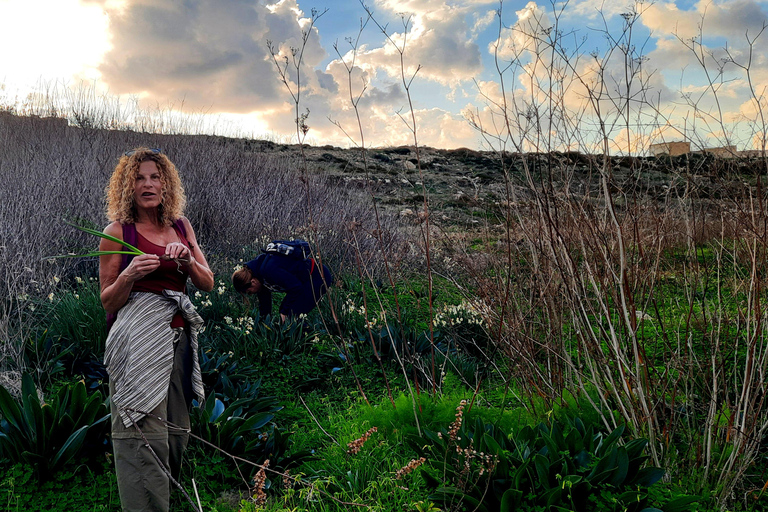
<point>255,287</point>
<point>148,189</point>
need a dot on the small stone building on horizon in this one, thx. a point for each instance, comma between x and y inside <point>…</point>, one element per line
<point>670,148</point>
<point>678,148</point>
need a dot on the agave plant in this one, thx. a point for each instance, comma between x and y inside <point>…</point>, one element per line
<point>249,435</point>
<point>49,435</point>
<point>560,466</point>
<point>232,381</point>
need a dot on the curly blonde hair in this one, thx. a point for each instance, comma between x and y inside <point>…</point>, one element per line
<point>121,205</point>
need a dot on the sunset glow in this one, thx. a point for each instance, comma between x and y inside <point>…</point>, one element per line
<point>213,58</point>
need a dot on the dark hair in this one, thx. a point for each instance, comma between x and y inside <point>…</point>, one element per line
<point>241,279</point>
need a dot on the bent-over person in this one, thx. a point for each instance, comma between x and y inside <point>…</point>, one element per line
<point>304,282</point>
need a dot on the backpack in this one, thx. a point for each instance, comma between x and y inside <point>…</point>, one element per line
<point>295,249</point>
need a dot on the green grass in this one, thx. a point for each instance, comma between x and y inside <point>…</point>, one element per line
<point>80,488</point>
<point>315,377</point>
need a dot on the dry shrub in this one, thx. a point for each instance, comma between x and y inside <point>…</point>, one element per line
<point>655,313</point>
<point>239,197</point>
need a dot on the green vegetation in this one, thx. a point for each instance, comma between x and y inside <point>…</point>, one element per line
<point>47,436</point>
<point>599,321</point>
<point>307,399</point>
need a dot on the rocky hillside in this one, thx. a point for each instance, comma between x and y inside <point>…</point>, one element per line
<point>464,185</point>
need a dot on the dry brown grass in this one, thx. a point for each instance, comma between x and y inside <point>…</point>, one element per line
<point>239,198</point>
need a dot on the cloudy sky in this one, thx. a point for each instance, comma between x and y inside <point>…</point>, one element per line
<point>478,73</point>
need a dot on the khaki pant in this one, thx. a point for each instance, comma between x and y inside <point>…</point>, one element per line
<point>142,483</point>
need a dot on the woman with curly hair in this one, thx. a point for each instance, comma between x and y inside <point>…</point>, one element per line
<point>151,350</point>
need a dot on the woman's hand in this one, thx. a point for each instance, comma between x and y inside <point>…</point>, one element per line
<point>140,266</point>
<point>116,283</point>
<point>178,251</point>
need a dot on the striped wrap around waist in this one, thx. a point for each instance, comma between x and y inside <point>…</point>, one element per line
<point>139,351</point>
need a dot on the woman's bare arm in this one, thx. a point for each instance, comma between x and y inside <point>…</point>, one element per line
<point>201,275</point>
<point>117,285</point>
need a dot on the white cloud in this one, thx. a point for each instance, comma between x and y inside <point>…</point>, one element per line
<point>425,6</point>
<point>382,127</point>
<point>731,19</point>
<point>526,40</point>
<point>435,36</point>
<point>595,9</point>
<point>713,92</point>
<point>213,56</point>
<point>206,54</point>
<point>481,21</point>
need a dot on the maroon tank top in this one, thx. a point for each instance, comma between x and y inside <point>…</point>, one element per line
<point>168,276</point>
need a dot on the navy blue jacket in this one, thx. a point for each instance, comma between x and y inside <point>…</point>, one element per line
<point>279,273</point>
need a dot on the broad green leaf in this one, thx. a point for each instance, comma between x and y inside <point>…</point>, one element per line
<point>261,419</point>
<point>511,500</point>
<point>635,447</point>
<point>40,426</point>
<point>10,448</point>
<point>93,408</point>
<point>622,466</point>
<point>542,470</point>
<point>579,426</point>
<point>65,425</point>
<point>28,394</point>
<point>522,475</point>
<point>70,448</point>
<point>583,458</point>
<point>553,496</point>
<point>646,477</point>
<point>629,496</point>
<point>580,494</point>
<point>9,409</point>
<point>603,468</point>
<point>556,434</point>
<point>612,439</point>
<point>681,504</point>
<point>491,444</point>
<point>574,441</point>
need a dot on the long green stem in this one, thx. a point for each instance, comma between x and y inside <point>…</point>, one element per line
<point>131,249</point>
